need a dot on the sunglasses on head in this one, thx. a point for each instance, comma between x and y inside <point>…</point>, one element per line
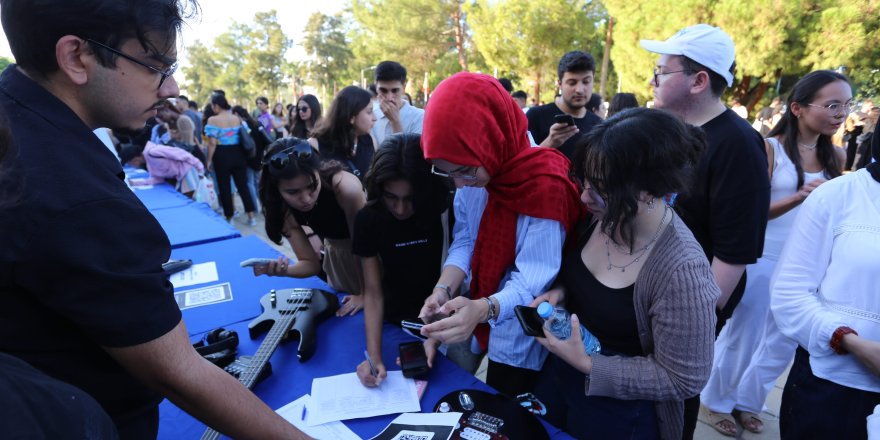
<point>281,159</point>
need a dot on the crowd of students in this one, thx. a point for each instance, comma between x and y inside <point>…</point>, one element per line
<point>658,229</point>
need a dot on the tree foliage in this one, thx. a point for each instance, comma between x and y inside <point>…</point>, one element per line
<point>328,49</point>
<point>526,38</point>
<point>423,35</point>
<point>245,61</point>
<point>5,62</point>
<point>773,38</point>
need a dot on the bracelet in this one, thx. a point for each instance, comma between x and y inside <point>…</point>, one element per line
<point>446,289</point>
<point>490,315</point>
<point>837,339</point>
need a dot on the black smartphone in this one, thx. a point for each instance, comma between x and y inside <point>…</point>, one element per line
<point>564,119</point>
<point>529,320</point>
<point>173,266</point>
<point>413,360</point>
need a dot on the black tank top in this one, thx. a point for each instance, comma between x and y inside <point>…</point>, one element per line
<point>327,218</point>
<point>607,313</point>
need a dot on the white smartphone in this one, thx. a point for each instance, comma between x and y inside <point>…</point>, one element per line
<point>251,262</point>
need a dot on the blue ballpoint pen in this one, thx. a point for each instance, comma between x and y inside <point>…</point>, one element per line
<point>373,371</point>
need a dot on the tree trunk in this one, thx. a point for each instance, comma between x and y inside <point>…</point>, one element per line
<point>606,54</point>
<point>538,86</point>
<point>459,36</point>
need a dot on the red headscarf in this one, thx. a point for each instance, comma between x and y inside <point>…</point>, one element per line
<point>471,120</point>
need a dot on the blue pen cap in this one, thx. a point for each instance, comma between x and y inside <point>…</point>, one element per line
<point>545,309</point>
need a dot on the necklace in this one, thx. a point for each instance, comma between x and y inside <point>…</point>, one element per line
<point>807,147</point>
<point>641,251</point>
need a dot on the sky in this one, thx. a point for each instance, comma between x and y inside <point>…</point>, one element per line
<point>217,15</point>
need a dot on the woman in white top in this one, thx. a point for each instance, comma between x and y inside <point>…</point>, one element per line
<point>825,295</point>
<point>751,354</point>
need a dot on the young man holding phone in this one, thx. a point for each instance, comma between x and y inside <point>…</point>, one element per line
<point>561,123</point>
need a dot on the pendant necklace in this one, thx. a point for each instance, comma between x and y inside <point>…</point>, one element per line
<point>641,252</point>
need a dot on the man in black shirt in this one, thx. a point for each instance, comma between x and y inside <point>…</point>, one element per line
<point>575,72</point>
<point>728,203</point>
<point>84,296</point>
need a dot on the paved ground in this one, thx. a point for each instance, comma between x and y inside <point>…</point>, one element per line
<point>703,432</point>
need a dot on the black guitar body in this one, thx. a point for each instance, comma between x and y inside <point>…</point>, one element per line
<point>310,306</point>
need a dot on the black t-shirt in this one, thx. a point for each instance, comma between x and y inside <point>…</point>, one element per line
<point>358,164</point>
<point>81,257</point>
<point>411,252</point>
<point>326,218</point>
<point>38,406</point>
<point>542,117</point>
<point>609,314</point>
<point>729,199</point>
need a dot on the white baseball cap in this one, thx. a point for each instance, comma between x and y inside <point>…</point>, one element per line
<point>707,45</point>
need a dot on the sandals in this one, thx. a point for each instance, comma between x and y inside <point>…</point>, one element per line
<point>750,421</point>
<point>717,421</point>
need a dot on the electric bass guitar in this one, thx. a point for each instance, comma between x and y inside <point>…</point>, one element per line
<point>287,314</point>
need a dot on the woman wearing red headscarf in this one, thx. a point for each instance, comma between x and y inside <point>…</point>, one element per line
<point>513,209</point>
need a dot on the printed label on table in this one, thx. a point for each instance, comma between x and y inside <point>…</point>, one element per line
<point>203,296</point>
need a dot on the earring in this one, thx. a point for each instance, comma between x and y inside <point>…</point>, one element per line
<point>651,203</point>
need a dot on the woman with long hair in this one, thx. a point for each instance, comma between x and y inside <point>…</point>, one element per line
<point>304,116</point>
<point>298,190</point>
<point>227,157</point>
<point>401,237</point>
<point>278,120</point>
<point>751,353</point>
<point>344,135</point>
<point>638,281</point>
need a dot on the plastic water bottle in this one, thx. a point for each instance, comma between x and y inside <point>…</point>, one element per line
<point>558,322</point>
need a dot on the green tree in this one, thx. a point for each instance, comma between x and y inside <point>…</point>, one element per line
<point>774,39</point>
<point>527,37</point>
<point>264,58</point>
<point>245,61</point>
<point>5,62</point>
<point>329,53</point>
<point>423,35</point>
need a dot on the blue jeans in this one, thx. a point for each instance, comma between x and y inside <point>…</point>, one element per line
<point>815,408</point>
<point>561,389</point>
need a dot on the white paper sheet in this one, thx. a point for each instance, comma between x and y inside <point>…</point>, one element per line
<point>343,397</point>
<point>293,412</point>
<point>196,274</point>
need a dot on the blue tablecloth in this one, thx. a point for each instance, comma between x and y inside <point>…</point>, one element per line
<point>246,288</point>
<point>340,349</point>
<point>192,224</point>
<point>161,196</point>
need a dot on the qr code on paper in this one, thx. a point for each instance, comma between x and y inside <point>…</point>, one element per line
<point>413,435</point>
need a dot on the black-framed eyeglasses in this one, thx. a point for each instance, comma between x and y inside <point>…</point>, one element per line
<point>594,195</point>
<point>658,74</point>
<point>164,73</point>
<point>456,174</point>
<point>281,159</point>
<point>836,108</point>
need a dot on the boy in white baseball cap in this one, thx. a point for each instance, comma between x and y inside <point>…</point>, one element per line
<point>728,202</point>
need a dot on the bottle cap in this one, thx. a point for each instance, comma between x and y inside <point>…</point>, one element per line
<point>545,310</point>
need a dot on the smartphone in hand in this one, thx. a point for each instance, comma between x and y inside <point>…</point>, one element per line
<point>564,118</point>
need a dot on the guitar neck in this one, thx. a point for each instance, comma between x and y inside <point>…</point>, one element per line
<point>274,337</point>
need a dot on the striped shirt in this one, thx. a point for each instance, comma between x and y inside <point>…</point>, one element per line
<point>538,256</point>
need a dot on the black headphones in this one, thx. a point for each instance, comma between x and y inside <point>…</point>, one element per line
<point>219,346</point>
